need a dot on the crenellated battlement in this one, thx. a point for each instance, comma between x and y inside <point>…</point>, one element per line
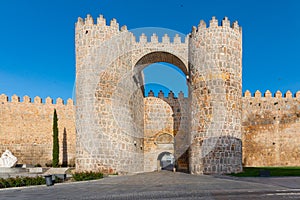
<point>247,94</point>
<point>37,100</point>
<point>100,22</point>
<point>268,94</point>
<point>165,39</point>
<point>171,95</point>
<point>214,24</point>
<point>88,24</point>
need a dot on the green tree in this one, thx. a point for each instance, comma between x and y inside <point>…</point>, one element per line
<point>55,153</point>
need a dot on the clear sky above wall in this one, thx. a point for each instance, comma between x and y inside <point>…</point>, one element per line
<point>37,54</point>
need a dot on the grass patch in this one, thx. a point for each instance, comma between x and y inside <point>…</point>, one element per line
<point>274,171</point>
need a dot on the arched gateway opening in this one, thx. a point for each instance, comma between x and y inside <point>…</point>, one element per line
<point>160,56</point>
<point>166,161</point>
<point>165,118</point>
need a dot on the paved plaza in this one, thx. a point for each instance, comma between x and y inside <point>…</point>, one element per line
<point>164,185</point>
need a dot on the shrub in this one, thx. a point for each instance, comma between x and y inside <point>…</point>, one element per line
<point>85,176</point>
<point>48,164</point>
<point>18,182</point>
<point>4,183</point>
<point>21,181</point>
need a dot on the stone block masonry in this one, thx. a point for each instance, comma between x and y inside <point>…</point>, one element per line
<point>109,110</point>
<point>215,92</point>
<point>26,129</point>
<point>110,101</point>
<point>109,114</point>
<point>158,122</point>
<point>271,129</point>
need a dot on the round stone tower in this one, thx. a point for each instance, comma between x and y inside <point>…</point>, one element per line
<point>215,65</point>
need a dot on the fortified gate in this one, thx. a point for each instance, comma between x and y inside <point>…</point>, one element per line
<point>119,130</point>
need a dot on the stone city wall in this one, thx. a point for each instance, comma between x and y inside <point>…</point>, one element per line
<point>26,129</point>
<point>271,129</point>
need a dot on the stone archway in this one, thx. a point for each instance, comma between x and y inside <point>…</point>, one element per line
<point>110,103</point>
<point>169,111</point>
<point>161,56</point>
<point>165,161</point>
<point>145,58</point>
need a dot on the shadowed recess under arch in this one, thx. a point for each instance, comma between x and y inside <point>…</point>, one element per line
<point>161,56</point>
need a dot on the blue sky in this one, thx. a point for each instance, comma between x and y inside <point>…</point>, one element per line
<point>37,56</point>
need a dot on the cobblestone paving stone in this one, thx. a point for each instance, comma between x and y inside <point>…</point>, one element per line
<point>161,185</point>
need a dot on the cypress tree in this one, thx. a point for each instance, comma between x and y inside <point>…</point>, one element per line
<point>55,153</point>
